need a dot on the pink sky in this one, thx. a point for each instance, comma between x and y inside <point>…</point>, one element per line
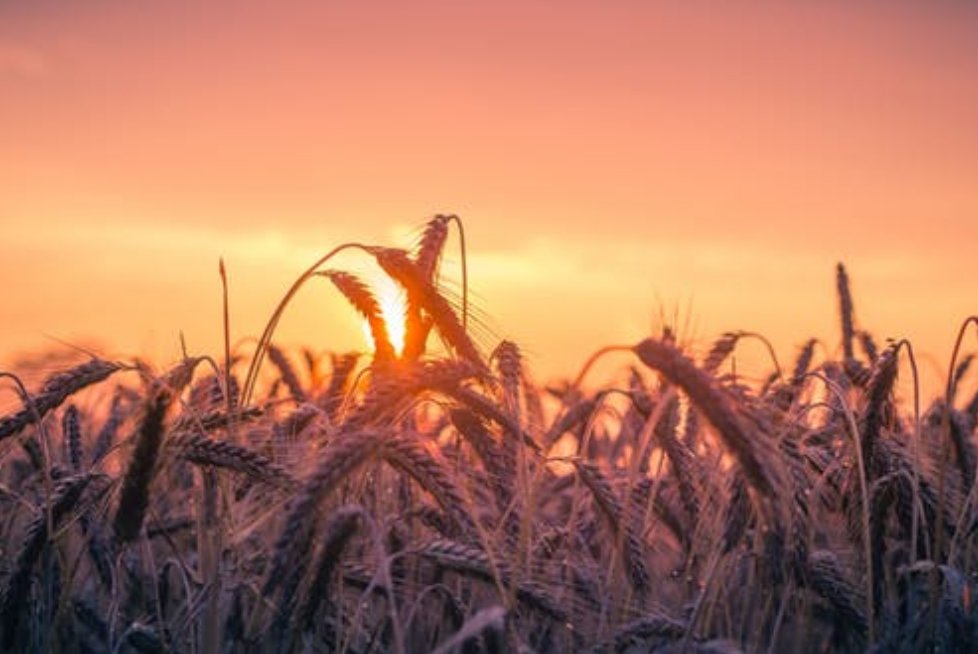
<point>612,161</point>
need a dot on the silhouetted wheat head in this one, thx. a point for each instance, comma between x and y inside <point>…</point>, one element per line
<point>438,500</point>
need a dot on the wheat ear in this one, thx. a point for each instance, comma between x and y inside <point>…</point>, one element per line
<point>142,466</point>
<point>366,304</point>
<point>474,562</point>
<point>54,392</point>
<point>405,272</point>
<point>71,434</point>
<point>878,391</point>
<point>67,492</point>
<point>845,310</point>
<point>828,580</point>
<point>713,404</point>
<point>628,541</point>
<point>289,376</point>
<point>340,529</point>
<point>339,459</point>
<point>203,450</point>
<point>409,455</point>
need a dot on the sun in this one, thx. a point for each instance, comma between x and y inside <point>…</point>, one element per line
<point>393,310</point>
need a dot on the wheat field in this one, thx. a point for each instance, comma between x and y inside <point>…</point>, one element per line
<point>430,497</point>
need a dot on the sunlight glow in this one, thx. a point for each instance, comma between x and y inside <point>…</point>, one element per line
<point>393,309</point>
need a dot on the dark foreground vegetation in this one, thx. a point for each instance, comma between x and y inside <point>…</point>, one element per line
<point>418,501</point>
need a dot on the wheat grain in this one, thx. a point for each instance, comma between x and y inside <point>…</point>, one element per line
<point>71,434</point>
<point>508,359</point>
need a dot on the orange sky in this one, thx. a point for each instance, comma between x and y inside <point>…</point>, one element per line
<point>613,162</point>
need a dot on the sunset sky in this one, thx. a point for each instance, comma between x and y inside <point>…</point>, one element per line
<point>616,164</point>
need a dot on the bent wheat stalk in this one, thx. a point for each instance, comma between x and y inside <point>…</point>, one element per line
<point>713,404</point>
<point>252,377</point>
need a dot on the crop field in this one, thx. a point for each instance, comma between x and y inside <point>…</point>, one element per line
<point>429,496</point>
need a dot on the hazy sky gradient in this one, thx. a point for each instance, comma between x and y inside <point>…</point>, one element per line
<point>613,162</point>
